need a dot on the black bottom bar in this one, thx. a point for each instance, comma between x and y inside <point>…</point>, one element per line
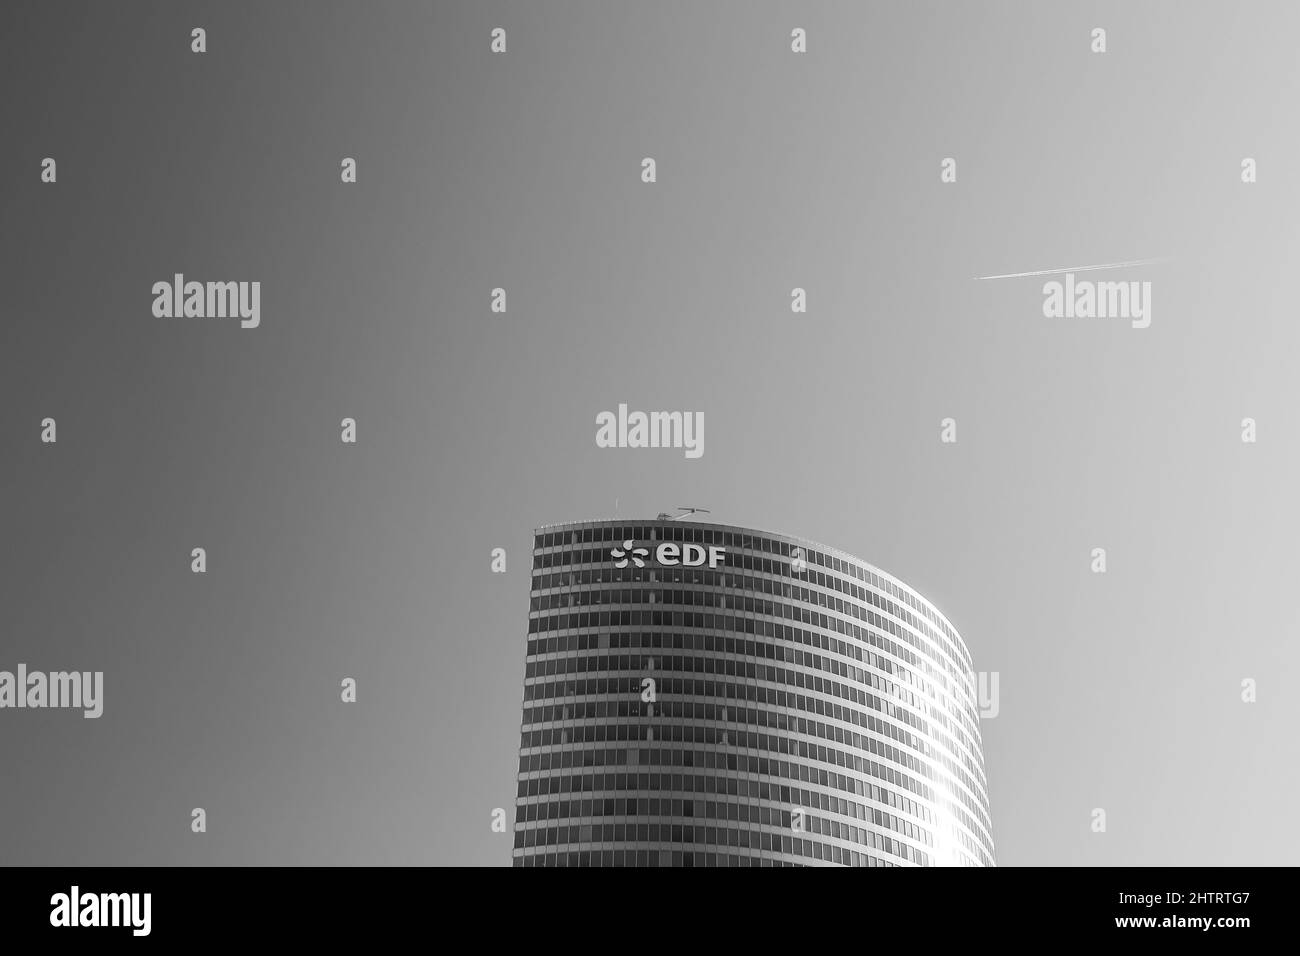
<point>210,905</point>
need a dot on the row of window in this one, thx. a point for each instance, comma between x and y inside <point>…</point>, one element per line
<point>922,653</point>
<point>779,818</point>
<point>730,783</point>
<point>780,647</point>
<point>761,841</point>
<point>662,858</point>
<point>720,725</point>
<point>696,534</point>
<point>727,691</point>
<point>538,778</point>
<point>686,757</point>
<point>651,666</point>
<point>807,597</point>
<point>844,572</point>
<point>665,602</point>
<point>584,793</point>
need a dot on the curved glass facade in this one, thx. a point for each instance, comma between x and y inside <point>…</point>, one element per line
<point>703,695</point>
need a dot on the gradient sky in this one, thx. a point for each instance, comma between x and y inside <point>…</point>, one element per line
<point>522,170</point>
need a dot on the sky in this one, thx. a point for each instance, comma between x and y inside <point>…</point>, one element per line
<point>522,170</point>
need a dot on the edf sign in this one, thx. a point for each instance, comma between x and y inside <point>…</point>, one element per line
<point>669,555</point>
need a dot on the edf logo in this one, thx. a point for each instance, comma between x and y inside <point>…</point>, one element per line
<point>669,555</point>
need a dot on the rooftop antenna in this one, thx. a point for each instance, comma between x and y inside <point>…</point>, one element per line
<point>665,516</point>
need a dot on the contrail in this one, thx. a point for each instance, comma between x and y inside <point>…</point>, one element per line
<point>1106,265</point>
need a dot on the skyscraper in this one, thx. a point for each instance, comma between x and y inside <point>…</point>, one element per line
<point>703,695</point>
